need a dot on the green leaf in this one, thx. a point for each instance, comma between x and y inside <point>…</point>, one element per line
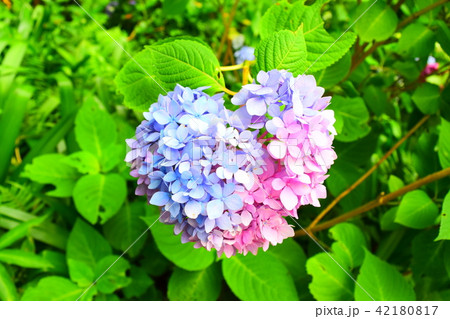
<point>333,74</point>
<point>53,288</point>
<point>80,272</point>
<point>85,244</point>
<point>375,99</point>
<point>349,244</point>
<point>23,259</point>
<point>444,230</point>
<point>84,162</point>
<point>382,281</point>
<point>183,255</point>
<point>285,16</point>
<point>202,285</point>
<point>175,61</point>
<point>115,276</point>
<point>377,23</point>
<point>426,97</point>
<point>351,118</point>
<point>95,130</point>
<point>8,290</point>
<point>283,50</point>
<point>416,210</point>
<point>417,41</point>
<point>387,221</point>
<point>291,254</point>
<point>428,256</point>
<point>329,281</point>
<point>395,183</point>
<point>19,231</point>
<point>52,169</point>
<point>174,7</point>
<point>99,195</point>
<point>443,36</point>
<point>140,282</point>
<point>444,144</point>
<point>258,278</point>
<point>125,227</point>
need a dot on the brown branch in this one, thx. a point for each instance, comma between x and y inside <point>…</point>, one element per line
<point>366,174</point>
<point>419,13</point>
<point>227,29</point>
<point>382,200</point>
<point>398,5</point>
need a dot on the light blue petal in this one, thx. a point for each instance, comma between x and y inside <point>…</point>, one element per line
<point>214,208</point>
<point>234,202</point>
<point>223,222</point>
<point>161,117</point>
<point>160,198</point>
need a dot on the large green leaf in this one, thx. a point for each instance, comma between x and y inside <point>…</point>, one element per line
<point>85,248</point>
<point>333,74</point>
<point>349,244</point>
<point>24,259</point>
<point>382,281</point>
<point>444,144</point>
<point>428,255</point>
<point>53,289</point>
<point>175,61</point>
<point>52,169</point>
<point>8,290</point>
<point>416,210</point>
<point>417,41</point>
<point>283,50</point>
<point>125,227</point>
<point>329,280</point>
<point>140,282</point>
<point>322,50</point>
<point>99,196</point>
<point>427,98</point>
<point>377,22</point>
<point>351,118</point>
<point>183,255</point>
<point>260,277</point>
<point>291,254</point>
<point>444,230</point>
<point>199,285</point>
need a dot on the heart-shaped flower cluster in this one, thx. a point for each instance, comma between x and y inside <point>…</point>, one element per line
<point>227,179</point>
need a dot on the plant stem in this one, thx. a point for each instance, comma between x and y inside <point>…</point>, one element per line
<point>381,200</point>
<point>227,29</point>
<point>366,174</point>
<point>228,91</point>
<point>232,67</point>
<point>419,13</point>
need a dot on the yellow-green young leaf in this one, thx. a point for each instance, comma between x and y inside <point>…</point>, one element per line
<point>329,281</point>
<point>53,288</point>
<point>351,118</point>
<point>183,255</point>
<point>426,97</point>
<point>444,144</point>
<point>349,244</point>
<point>80,272</point>
<point>201,285</point>
<point>19,231</point>
<point>52,169</point>
<point>84,162</point>
<point>115,278</point>
<point>258,278</point>
<point>283,50</point>
<point>377,23</point>
<point>416,210</point>
<point>444,230</point>
<point>95,130</point>
<point>123,229</point>
<point>8,290</point>
<point>183,61</point>
<point>99,196</point>
<point>382,282</point>
<point>24,259</point>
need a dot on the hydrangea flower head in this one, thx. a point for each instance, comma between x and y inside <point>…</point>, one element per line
<point>218,180</point>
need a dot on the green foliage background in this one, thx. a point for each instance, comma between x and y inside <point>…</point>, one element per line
<point>70,96</point>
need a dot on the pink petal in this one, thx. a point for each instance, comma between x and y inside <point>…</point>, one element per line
<point>288,198</point>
